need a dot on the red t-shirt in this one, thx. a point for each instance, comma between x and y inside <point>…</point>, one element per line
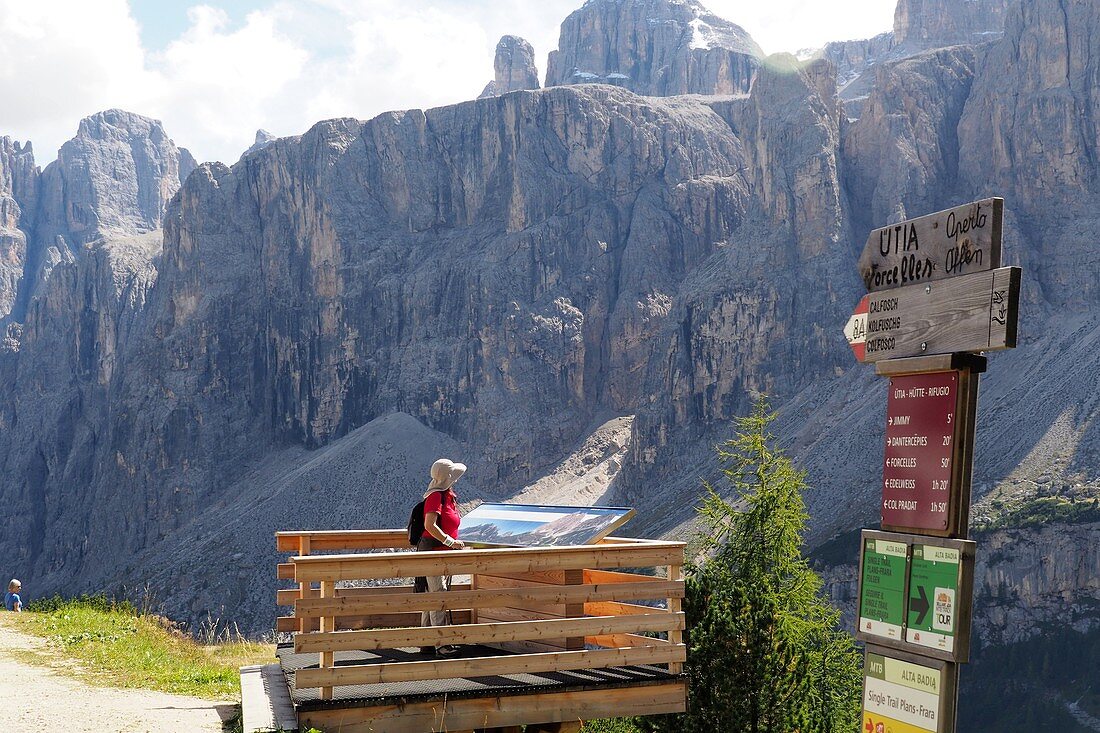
<point>443,504</point>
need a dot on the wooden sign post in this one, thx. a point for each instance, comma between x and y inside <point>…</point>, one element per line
<point>969,313</point>
<point>937,298</point>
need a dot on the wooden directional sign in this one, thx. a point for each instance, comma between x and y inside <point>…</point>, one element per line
<point>903,693</point>
<point>969,313</point>
<point>916,594</point>
<point>945,244</point>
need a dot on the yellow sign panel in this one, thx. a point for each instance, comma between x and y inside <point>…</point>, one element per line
<point>875,723</point>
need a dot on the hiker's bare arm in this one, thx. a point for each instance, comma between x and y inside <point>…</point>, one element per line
<point>431,523</point>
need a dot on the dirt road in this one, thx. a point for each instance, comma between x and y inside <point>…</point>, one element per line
<point>34,698</point>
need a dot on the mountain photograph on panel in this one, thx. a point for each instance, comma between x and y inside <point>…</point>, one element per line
<point>521,525</point>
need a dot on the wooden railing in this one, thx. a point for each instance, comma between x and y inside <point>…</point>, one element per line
<point>543,606</point>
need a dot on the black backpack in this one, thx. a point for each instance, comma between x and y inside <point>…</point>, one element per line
<point>416,522</point>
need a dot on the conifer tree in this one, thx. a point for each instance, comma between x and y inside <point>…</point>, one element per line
<point>765,654</point>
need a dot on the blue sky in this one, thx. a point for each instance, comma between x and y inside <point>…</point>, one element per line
<point>217,71</point>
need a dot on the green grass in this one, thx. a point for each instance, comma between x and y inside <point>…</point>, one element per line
<point>611,725</point>
<point>114,645</point>
<point>1037,511</point>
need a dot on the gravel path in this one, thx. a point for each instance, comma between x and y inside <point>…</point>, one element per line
<point>34,698</point>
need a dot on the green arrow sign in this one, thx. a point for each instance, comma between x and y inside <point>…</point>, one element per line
<point>933,597</point>
<point>915,594</point>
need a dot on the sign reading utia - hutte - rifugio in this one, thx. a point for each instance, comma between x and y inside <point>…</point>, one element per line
<point>945,244</point>
<point>921,424</point>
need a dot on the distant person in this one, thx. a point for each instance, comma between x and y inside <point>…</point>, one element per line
<point>12,601</point>
<point>441,520</point>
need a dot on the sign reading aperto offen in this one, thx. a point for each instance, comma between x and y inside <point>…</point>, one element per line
<point>946,244</point>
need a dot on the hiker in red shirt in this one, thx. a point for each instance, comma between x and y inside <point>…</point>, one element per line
<point>441,521</point>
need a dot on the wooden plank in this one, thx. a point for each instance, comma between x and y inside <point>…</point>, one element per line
<point>284,571</point>
<point>487,633</point>
<point>949,243</point>
<point>328,623</point>
<point>286,624</point>
<point>356,539</point>
<point>523,614</point>
<point>369,674</point>
<point>931,364</point>
<point>675,635</point>
<point>544,577</point>
<point>287,596</point>
<point>486,712</point>
<point>610,576</point>
<point>969,313</point>
<point>613,608</point>
<point>619,641</point>
<point>481,562</point>
<point>488,598</point>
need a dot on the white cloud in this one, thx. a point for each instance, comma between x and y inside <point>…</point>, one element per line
<point>793,25</point>
<point>61,61</point>
<point>218,85</point>
<point>293,62</point>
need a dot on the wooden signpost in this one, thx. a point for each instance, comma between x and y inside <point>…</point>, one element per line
<point>937,298</point>
<point>969,313</point>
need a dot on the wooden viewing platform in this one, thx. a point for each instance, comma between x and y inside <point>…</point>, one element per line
<point>551,636</point>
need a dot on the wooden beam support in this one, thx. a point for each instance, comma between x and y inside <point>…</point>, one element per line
<point>487,598</point>
<point>328,623</point>
<point>486,712</point>
<point>483,562</point>
<point>328,540</point>
<point>931,364</point>
<point>676,635</point>
<point>486,633</point>
<point>368,674</point>
<point>614,608</point>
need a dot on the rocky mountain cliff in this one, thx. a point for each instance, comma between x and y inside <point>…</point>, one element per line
<point>514,67</point>
<point>919,25</point>
<point>18,192</point>
<point>654,47</point>
<point>503,279</point>
<point>113,180</point>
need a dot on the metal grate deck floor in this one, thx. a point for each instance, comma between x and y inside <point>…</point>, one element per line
<point>405,692</point>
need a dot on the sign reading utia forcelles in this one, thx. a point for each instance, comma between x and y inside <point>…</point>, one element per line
<point>970,313</point>
<point>920,444</point>
<point>945,244</point>
<point>904,694</point>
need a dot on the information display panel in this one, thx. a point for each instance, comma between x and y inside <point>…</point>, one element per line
<point>904,693</point>
<point>935,577</point>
